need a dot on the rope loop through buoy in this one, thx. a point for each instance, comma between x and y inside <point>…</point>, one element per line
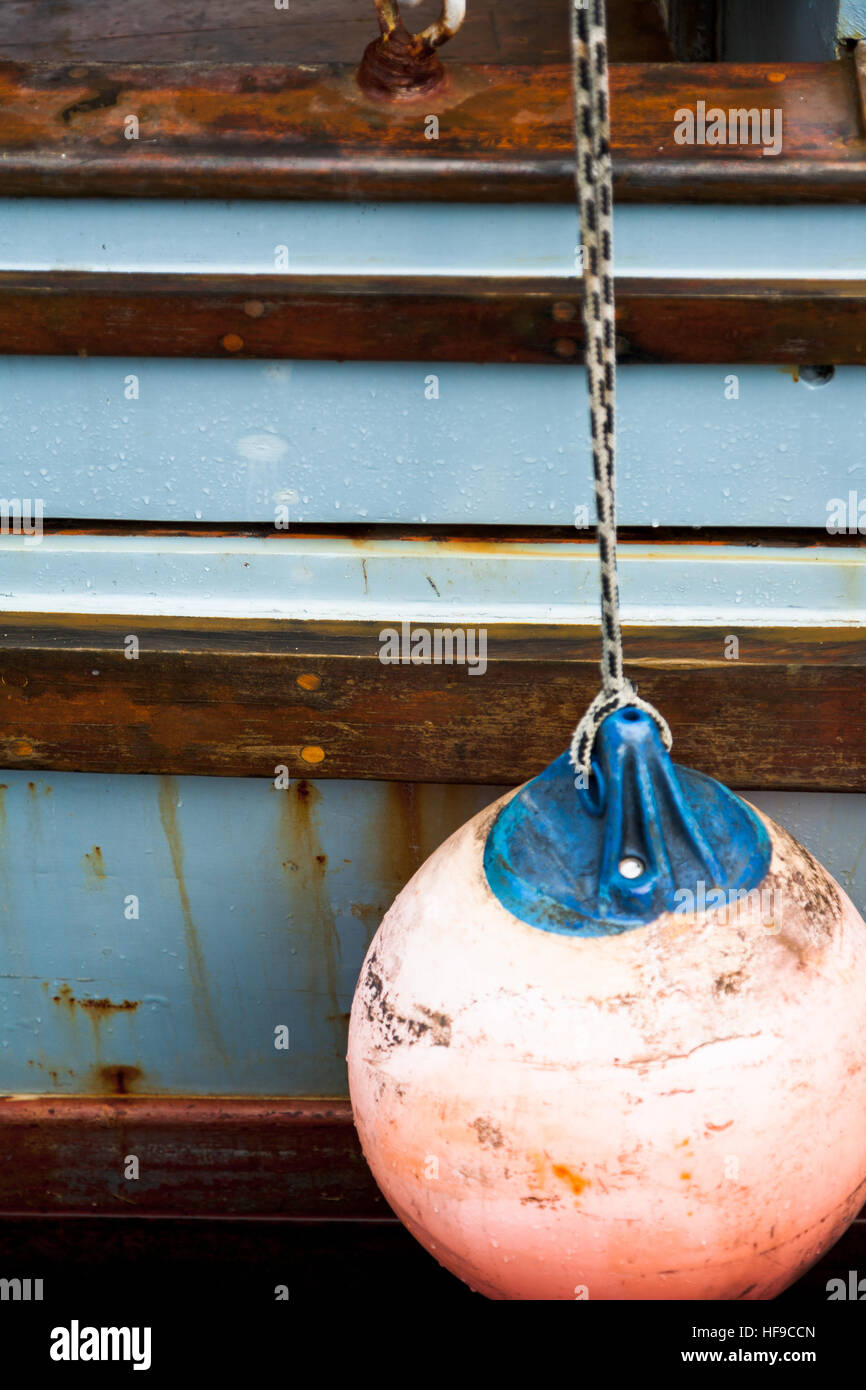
<point>594,183</point>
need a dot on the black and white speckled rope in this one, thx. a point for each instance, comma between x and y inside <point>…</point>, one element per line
<point>594,180</point>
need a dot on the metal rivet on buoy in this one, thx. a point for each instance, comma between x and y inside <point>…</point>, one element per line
<point>631,866</point>
<point>255,308</point>
<point>232,342</point>
<point>564,312</point>
<point>565,347</point>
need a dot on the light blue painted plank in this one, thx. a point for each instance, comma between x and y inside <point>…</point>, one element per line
<point>451,581</point>
<point>160,235</point>
<point>852,19</point>
<point>255,909</point>
<point>348,442</point>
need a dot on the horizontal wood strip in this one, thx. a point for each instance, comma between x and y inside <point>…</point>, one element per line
<point>282,1158</point>
<point>248,130</point>
<point>437,318</point>
<point>241,698</point>
<point>323,31</point>
<point>199,1156</point>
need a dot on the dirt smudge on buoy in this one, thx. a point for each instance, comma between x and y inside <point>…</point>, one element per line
<point>489,1134</point>
<point>576,1181</point>
<point>397,1029</point>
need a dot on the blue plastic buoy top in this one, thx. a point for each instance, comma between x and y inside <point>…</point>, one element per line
<point>643,838</point>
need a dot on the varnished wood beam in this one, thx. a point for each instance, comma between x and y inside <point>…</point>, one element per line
<point>206,1156</point>
<point>240,698</point>
<point>504,133</point>
<point>437,318</point>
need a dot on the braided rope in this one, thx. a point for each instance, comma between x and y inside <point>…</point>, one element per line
<point>594,182</point>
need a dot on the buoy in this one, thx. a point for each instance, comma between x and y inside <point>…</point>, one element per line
<point>610,1041</point>
<point>667,1101</point>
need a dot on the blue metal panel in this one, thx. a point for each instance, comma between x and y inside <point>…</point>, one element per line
<point>425,238</point>
<point>852,19</point>
<point>732,586</point>
<point>255,908</point>
<point>777,31</point>
<point>232,441</point>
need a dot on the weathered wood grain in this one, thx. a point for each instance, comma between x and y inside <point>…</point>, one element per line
<point>308,31</point>
<point>440,318</point>
<point>296,1157</point>
<point>240,698</point>
<point>246,130</point>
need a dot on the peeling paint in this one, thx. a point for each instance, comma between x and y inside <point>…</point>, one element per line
<point>94,866</point>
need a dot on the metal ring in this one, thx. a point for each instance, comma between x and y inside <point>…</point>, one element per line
<point>437,33</point>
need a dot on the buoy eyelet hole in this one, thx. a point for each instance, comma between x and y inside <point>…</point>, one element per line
<point>592,795</point>
<point>631,867</point>
<point>817,376</point>
<point>633,715</point>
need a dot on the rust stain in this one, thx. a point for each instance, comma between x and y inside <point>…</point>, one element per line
<point>100,1006</point>
<point>94,865</point>
<point>310,905</point>
<point>576,1181</point>
<point>404,821</point>
<point>116,1080</point>
<point>50,1071</point>
<point>399,64</point>
<point>168,799</point>
<point>370,915</point>
<point>64,996</point>
<point>685,1176</point>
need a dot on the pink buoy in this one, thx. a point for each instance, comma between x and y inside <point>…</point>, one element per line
<point>674,1112</point>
